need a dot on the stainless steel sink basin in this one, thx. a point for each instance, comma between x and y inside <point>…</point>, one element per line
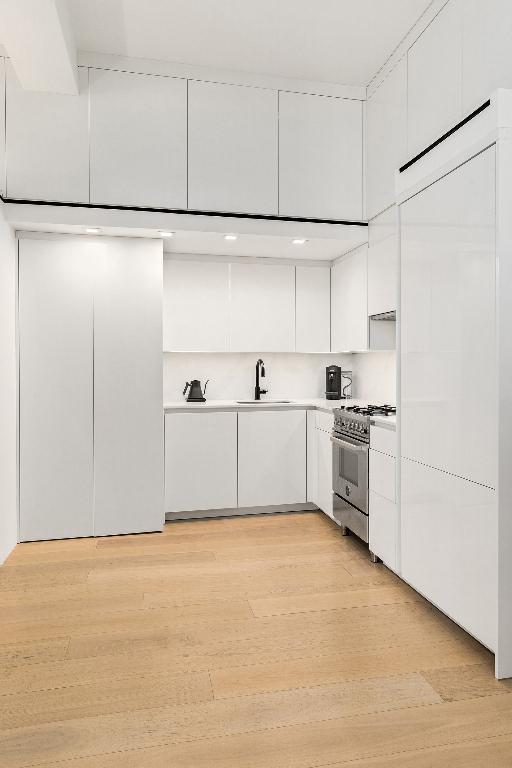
<point>262,402</point>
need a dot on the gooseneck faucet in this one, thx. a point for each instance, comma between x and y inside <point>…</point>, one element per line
<point>258,392</point>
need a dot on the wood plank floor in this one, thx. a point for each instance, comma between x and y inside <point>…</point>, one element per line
<point>257,642</point>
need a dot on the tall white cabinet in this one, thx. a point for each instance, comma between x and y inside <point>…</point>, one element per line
<point>56,389</point>
<point>91,426</point>
<point>128,421</point>
<point>449,510</point>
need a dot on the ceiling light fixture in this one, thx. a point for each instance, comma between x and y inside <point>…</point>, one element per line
<point>165,233</point>
<point>230,237</point>
<point>299,241</point>
<point>92,230</point>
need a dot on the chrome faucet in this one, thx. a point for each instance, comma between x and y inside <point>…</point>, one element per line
<point>258,392</point>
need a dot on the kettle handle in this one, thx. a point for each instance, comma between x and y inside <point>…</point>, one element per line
<point>206,384</point>
<point>187,385</point>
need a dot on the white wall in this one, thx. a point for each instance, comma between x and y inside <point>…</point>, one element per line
<point>8,380</point>
<point>288,376</point>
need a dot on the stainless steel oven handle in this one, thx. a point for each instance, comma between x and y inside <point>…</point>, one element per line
<point>350,446</point>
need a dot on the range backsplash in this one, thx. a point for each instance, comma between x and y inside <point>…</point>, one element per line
<point>288,376</point>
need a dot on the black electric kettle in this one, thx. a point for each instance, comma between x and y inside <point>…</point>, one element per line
<point>196,394</point>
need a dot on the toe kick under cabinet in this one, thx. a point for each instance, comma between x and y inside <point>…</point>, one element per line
<point>229,461</point>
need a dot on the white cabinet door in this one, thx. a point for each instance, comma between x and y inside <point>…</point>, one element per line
<point>200,461</point>
<point>486,47</point>
<point>56,389</point>
<point>386,138</point>
<point>271,458</point>
<point>196,306</point>
<point>383,262</point>
<point>449,546</point>
<point>128,418</point>
<point>349,305</point>
<point>312,458</point>
<point>448,310</point>
<point>324,472</point>
<point>383,529</point>
<point>435,79</point>
<point>2,126</point>
<point>382,474</point>
<point>320,156</point>
<point>47,143</point>
<point>262,308</point>
<point>313,309</point>
<point>138,139</point>
<point>232,148</point>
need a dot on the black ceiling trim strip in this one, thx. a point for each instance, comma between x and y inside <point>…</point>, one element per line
<point>183,211</point>
<point>445,136</point>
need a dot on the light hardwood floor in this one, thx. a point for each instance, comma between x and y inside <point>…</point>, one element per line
<point>257,642</point>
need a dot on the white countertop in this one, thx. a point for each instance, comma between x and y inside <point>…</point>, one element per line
<point>318,404</point>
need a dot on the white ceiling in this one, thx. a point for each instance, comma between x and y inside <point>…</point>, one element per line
<point>338,41</point>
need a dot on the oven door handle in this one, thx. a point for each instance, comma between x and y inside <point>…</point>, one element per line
<point>350,446</point>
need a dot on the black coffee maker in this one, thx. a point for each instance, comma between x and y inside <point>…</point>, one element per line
<point>196,394</point>
<point>333,382</point>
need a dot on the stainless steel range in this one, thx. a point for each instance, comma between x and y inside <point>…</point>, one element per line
<point>350,449</point>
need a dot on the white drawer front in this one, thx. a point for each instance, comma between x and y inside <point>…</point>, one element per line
<point>324,421</point>
<point>383,440</point>
<point>383,526</point>
<point>382,475</point>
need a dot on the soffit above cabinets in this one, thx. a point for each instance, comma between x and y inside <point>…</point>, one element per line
<point>333,41</point>
<point>254,238</point>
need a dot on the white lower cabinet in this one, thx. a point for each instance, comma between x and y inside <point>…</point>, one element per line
<point>312,458</point>
<point>449,529</point>
<point>324,494</point>
<point>200,461</point>
<point>383,528</point>
<point>271,458</point>
<point>383,511</point>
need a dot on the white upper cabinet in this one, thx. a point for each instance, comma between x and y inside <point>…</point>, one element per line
<point>320,156</point>
<point>262,308</point>
<point>313,309</point>
<point>196,306</point>
<point>349,305</point>
<point>47,143</point>
<point>383,262</point>
<point>386,138</point>
<point>232,148</point>
<point>138,139</point>
<point>486,46</point>
<point>271,458</point>
<point>434,80</point>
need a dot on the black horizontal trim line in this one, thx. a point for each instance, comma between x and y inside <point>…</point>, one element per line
<point>184,211</point>
<point>445,136</point>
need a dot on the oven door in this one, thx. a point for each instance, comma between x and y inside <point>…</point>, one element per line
<point>350,471</point>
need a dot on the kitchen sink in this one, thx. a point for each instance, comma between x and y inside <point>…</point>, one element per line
<point>262,402</point>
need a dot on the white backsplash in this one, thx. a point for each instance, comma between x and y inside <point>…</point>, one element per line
<point>289,376</point>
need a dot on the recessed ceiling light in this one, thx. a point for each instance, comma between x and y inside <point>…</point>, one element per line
<point>230,237</point>
<point>299,241</point>
<point>165,233</point>
<point>92,230</point>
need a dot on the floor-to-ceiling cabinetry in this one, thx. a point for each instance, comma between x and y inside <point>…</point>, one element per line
<point>90,413</point>
<point>449,468</point>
